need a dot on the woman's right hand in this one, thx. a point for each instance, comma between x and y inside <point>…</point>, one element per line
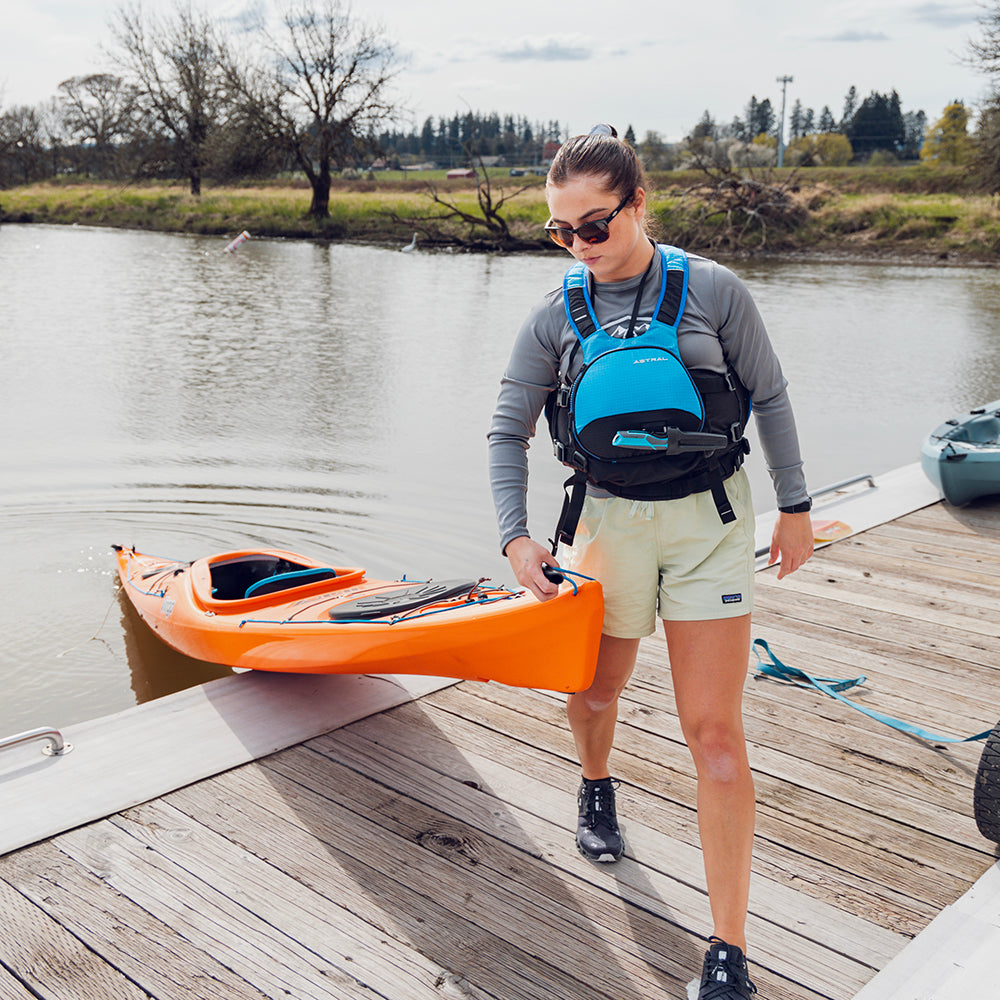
<point>527,558</point>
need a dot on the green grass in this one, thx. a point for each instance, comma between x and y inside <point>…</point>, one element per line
<point>894,210</point>
<point>952,223</point>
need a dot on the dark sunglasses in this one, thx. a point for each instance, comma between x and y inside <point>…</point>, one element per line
<point>589,232</point>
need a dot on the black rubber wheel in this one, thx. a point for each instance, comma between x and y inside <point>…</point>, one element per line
<point>986,796</point>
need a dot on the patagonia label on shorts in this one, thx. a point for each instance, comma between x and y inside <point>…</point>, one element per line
<point>732,598</point>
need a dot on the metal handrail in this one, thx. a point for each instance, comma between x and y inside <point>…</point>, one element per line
<point>55,747</point>
<point>833,487</point>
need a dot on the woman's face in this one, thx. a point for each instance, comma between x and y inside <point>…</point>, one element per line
<point>626,251</point>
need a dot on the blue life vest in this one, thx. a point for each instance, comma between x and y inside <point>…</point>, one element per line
<point>635,421</point>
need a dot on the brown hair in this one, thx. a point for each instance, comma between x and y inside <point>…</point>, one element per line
<point>599,153</point>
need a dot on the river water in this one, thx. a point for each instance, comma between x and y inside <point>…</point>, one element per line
<point>333,400</point>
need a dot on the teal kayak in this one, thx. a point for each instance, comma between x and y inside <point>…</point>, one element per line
<point>962,456</point>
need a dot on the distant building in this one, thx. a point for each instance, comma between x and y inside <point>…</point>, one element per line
<point>460,172</point>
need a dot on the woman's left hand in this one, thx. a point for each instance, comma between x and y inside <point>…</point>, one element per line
<point>791,541</point>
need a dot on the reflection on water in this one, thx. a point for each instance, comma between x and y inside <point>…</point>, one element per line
<point>333,400</point>
<point>156,669</point>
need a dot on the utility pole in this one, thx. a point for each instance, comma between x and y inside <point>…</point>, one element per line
<point>784,81</point>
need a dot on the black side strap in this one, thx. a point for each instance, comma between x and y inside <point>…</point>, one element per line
<point>722,504</point>
<point>569,516</point>
<point>719,495</point>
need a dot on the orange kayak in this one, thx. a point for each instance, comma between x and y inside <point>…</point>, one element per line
<point>267,609</point>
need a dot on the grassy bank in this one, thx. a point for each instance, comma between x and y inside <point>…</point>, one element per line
<point>901,212</point>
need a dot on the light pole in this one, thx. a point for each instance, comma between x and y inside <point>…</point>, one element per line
<point>784,81</point>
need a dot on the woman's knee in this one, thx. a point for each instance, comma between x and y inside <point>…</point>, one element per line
<point>719,750</point>
<point>601,695</point>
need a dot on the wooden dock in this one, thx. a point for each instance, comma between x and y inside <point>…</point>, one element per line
<point>426,851</point>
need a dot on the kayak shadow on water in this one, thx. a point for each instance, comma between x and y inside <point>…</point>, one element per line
<point>155,668</point>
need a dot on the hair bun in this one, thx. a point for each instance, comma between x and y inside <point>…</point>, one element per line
<point>604,129</point>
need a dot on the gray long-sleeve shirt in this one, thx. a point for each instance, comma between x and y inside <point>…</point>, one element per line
<point>720,325</point>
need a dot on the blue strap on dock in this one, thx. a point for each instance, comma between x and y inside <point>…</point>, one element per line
<point>773,667</point>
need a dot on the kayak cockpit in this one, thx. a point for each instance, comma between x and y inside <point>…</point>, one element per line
<point>255,576</point>
<point>983,429</point>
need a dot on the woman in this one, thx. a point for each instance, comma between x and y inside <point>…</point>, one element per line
<point>681,557</point>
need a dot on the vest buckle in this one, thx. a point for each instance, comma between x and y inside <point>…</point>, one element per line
<point>569,456</point>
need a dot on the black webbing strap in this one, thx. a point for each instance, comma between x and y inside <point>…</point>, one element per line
<point>569,516</point>
<point>671,302</point>
<point>722,504</point>
<point>579,312</point>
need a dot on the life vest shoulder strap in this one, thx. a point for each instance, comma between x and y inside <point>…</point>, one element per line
<point>674,286</point>
<point>669,304</point>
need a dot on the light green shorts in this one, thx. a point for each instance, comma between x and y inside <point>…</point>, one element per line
<point>671,557</point>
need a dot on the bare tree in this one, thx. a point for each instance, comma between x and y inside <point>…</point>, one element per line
<point>99,111</point>
<point>485,229</point>
<point>174,63</point>
<point>983,55</point>
<point>320,90</point>
<point>22,145</point>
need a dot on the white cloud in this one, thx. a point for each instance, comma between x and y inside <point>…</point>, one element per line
<point>565,49</point>
<point>855,35</point>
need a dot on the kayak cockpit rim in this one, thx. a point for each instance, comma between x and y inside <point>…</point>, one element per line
<point>216,580</point>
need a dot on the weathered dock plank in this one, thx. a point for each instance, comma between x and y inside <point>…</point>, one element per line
<point>13,989</point>
<point>903,863</point>
<point>37,950</point>
<point>665,861</point>
<point>147,952</point>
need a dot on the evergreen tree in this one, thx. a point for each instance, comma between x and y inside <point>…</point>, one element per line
<point>761,119</point>
<point>796,120</point>
<point>750,118</point>
<point>705,129</point>
<point>877,125</point>
<point>427,139</point>
<point>914,127</point>
<point>850,106</point>
<point>826,121</point>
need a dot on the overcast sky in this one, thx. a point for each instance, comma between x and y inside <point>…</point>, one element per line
<point>654,64</point>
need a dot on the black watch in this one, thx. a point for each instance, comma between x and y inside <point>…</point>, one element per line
<point>798,508</point>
